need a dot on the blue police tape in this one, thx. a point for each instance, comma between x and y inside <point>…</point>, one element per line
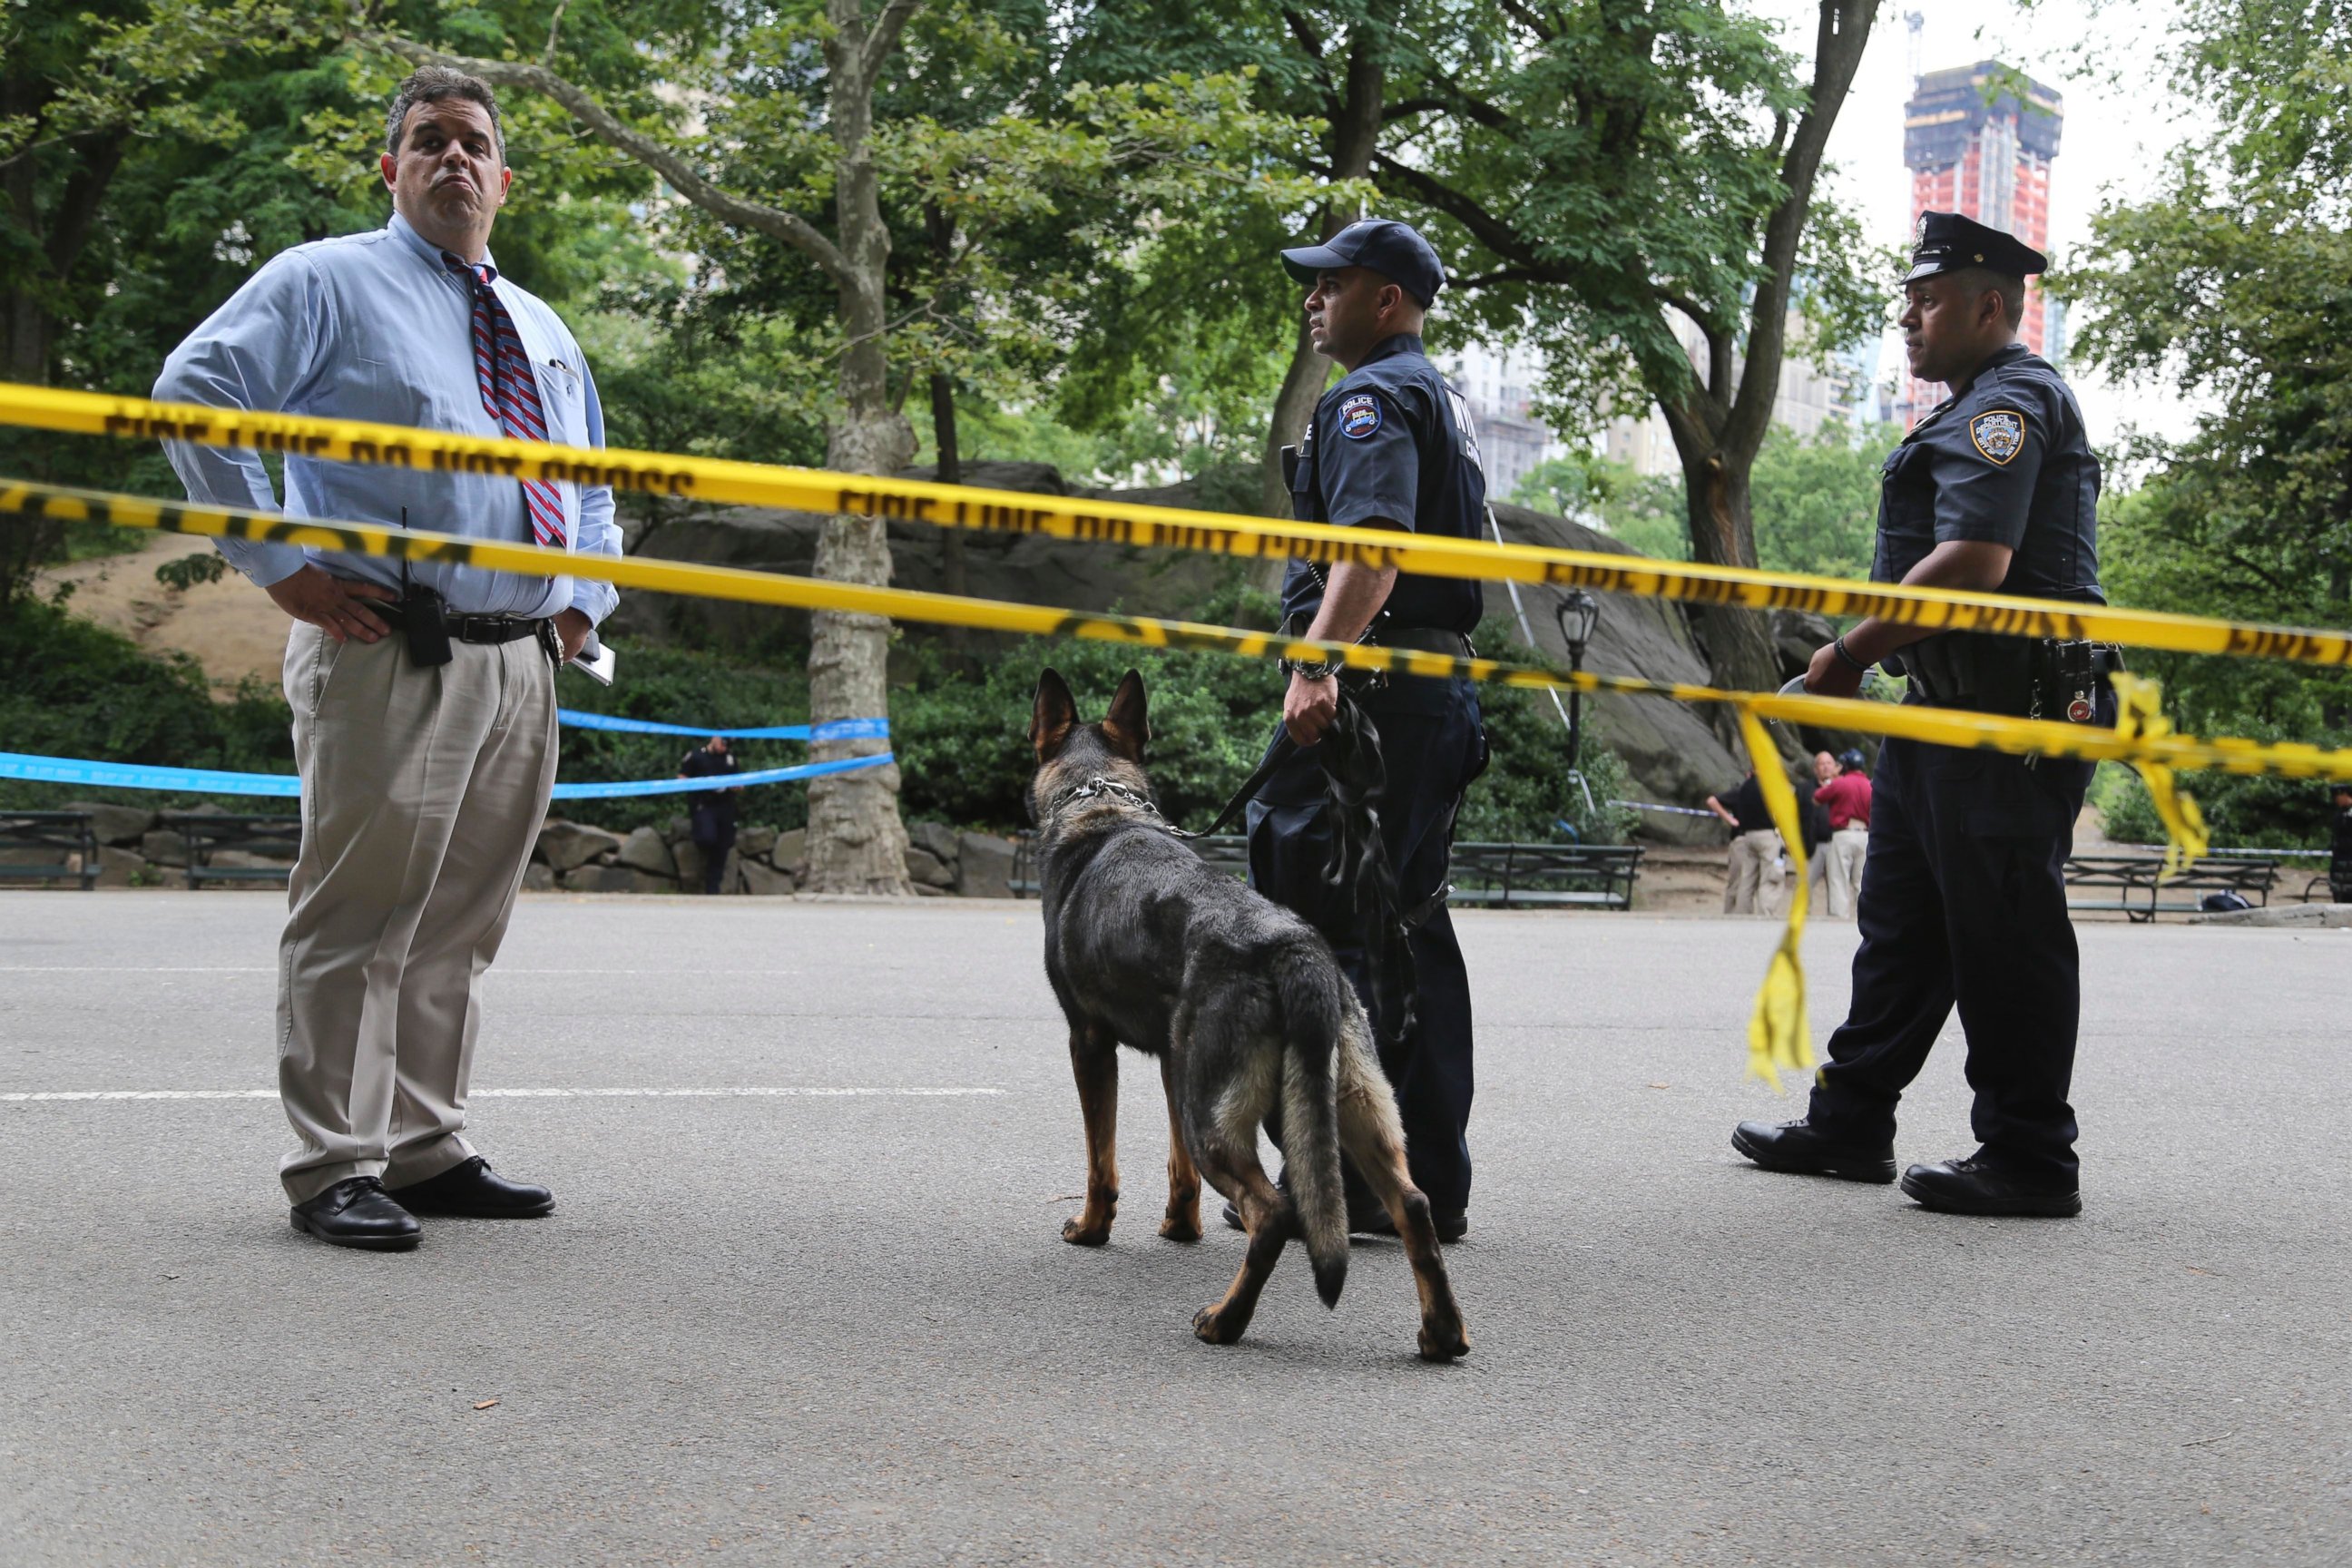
<point>839,730</point>
<point>209,780</point>
<point>727,781</point>
<point>1674,810</point>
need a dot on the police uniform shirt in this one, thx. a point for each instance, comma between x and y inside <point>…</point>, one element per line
<point>1392,445</point>
<point>2006,462</point>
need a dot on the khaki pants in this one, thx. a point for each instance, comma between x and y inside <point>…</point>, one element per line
<point>1845,853</point>
<point>422,793</point>
<point>1753,881</point>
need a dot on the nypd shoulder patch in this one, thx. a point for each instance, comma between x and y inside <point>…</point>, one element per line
<point>1998,433</point>
<point>1360,416</point>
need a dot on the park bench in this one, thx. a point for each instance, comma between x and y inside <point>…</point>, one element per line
<point>206,835</point>
<point>1505,875</point>
<point>2141,898</point>
<point>55,839</point>
<point>1546,875</point>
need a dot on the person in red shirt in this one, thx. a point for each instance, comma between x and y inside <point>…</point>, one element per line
<point>1847,798</point>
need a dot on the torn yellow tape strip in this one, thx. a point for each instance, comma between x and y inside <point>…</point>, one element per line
<point>1780,1035</point>
<point>1060,517</point>
<point>1937,726</point>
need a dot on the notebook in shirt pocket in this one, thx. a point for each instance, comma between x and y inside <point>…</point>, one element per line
<point>561,397</point>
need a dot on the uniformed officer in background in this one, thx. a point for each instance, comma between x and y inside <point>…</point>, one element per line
<point>1963,899</point>
<point>1389,447</point>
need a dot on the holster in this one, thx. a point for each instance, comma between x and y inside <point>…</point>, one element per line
<point>421,623</point>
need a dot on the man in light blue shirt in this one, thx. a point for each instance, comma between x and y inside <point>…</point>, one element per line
<point>426,756</point>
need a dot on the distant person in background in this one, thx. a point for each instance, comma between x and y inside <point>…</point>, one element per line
<point>714,809</point>
<point>1752,881</point>
<point>1845,796</point>
<point>2340,859</point>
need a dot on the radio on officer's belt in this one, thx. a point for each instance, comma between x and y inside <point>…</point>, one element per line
<point>2066,683</point>
<point>420,619</point>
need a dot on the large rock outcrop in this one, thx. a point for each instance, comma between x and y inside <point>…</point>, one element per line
<point>1677,755</point>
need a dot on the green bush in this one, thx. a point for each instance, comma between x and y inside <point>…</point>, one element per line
<point>958,734</point>
<point>77,690</point>
<point>2256,812</point>
<point>962,743</point>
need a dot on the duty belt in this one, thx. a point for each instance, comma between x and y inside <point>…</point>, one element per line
<point>491,629</point>
<point>1380,633</point>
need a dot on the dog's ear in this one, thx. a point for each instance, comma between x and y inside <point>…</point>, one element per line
<point>1126,727</point>
<point>1053,718</point>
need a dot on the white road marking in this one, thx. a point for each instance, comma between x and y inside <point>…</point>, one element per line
<point>748,1092</point>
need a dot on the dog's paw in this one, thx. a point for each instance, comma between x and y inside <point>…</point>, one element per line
<point>1078,1233</point>
<point>1439,1342</point>
<point>1180,1227</point>
<point>1215,1328</point>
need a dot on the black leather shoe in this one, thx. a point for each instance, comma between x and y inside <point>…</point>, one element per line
<point>1971,1186</point>
<point>1802,1149</point>
<point>473,1190</point>
<point>358,1212</point>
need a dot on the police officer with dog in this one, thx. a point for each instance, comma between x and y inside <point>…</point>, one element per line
<point>1388,447</point>
<point>1963,899</point>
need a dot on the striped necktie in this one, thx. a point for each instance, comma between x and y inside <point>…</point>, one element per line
<point>509,390</point>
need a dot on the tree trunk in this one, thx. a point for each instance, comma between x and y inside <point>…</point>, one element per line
<point>857,843</point>
<point>1723,533</point>
<point>28,323</point>
<point>1302,388</point>
<point>1355,138</point>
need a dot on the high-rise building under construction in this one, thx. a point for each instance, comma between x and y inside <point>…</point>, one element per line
<point>1979,141</point>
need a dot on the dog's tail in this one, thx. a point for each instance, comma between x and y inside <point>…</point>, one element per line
<point>1317,1006</point>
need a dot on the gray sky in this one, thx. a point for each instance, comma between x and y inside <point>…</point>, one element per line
<point>2112,146</point>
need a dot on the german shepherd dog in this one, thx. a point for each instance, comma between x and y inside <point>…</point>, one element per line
<point>1244,1005</point>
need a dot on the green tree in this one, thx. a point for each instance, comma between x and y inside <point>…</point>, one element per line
<point>1637,182</point>
<point>1643,512</point>
<point>2232,285</point>
<point>1816,498</point>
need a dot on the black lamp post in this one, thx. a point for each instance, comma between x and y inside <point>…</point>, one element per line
<point>1579,612</point>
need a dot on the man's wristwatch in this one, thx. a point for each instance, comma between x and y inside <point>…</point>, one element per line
<point>1851,662</point>
<point>1311,668</point>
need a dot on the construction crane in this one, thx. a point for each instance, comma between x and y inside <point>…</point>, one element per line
<point>1916,21</point>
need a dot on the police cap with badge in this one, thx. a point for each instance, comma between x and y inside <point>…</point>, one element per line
<point>1948,242</point>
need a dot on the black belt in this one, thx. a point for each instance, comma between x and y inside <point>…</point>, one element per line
<point>1419,639</point>
<point>492,629</point>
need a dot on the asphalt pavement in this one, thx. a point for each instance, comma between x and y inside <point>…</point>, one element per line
<point>804,1300</point>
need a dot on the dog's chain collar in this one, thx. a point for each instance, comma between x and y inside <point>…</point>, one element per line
<point>1099,785</point>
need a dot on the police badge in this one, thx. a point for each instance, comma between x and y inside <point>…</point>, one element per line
<point>1998,435</point>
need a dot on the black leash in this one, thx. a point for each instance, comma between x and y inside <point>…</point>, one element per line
<point>1277,754</point>
<point>1355,774</point>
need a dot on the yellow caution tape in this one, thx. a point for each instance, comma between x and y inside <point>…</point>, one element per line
<point>1935,726</point>
<point>1060,517</point>
<point>2137,712</point>
<point>1779,1034</point>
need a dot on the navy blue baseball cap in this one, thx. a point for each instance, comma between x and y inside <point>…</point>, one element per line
<point>1948,242</point>
<point>1390,249</point>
